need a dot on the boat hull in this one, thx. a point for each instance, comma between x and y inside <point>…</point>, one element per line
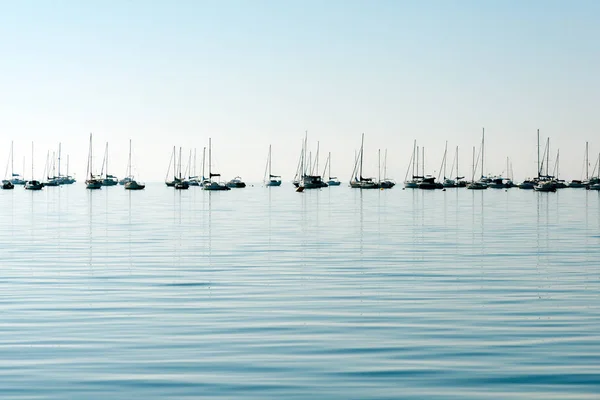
<point>133,185</point>
<point>93,184</point>
<point>34,185</point>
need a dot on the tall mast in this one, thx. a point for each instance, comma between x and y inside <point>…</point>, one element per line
<point>423,159</point>
<point>203,161</point>
<point>89,164</point>
<point>67,165</point>
<point>457,163</point>
<point>210,158</point>
<point>538,153</point>
<point>473,174</point>
<point>379,165</point>
<point>129,162</point>
<point>445,161</point>
<point>174,163</point>
<point>59,153</point>
<point>362,152</point>
<point>547,157</point>
<point>418,154</point>
<point>32,160</point>
<point>587,162</point>
<point>557,162</point>
<point>12,160</point>
<point>179,162</point>
<point>195,161</point>
<point>482,151</point>
<point>329,158</point>
<point>269,161</point>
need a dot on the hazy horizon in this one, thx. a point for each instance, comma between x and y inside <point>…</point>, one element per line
<point>254,74</point>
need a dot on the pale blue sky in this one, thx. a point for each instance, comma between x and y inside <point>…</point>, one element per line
<point>254,73</point>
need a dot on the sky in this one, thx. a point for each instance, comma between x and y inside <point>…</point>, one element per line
<point>250,74</point>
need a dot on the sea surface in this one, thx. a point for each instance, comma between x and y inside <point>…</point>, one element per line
<point>265,293</point>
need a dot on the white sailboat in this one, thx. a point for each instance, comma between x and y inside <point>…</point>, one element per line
<point>594,183</point>
<point>92,182</point>
<point>413,182</point>
<point>331,180</point>
<point>106,178</point>
<point>210,184</point>
<point>33,184</point>
<point>269,179</point>
<point>7,182</point>
<point>181,184</point>
<point>132,184</point>
<point>16,178</point>
<point>386,183</point>
<point>193,177</point>
<point>358,181</point>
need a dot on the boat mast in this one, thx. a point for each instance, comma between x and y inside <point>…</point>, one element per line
<point>538,154</point>
<point>209,158</point>
<point>457,164</point>
<point>67,165</point>
<point>203,161</point>
<point>482,151</point>
<point>587,162</point>
<point>179,167</point>
<point>129,162</point>
<point>329,161</point>
<point>59,154</point>
<point>89,166</point>
<point>473,174</point>
<point>423,160</point>
<point>378,165</point>
<point>547,158</point>
<point>12,161</point>
<point>362,143</point>
<point>418,155</point>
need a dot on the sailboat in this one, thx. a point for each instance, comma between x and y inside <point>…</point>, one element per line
<point>193,179</point>
<point>575,183</point>
<point>181,184</point>
<point>16,178</point>
<point>210,184</point>
<point>413,182</point>
<point>6,182</point>
<point>594,183</point>
<point>386,183</point>
<point>331,180</point>
<point>306,179</point>
<point>269,179</point>
<point>67,179</point>
<point>481,183</point>
<point>476,185</point>
<point>173,161</point>
<point>106,178</point>
<point>545,182</point>
<point>33,184</point>
<point>51,178</point>
<point>453,182</point>
<point>132,184</point>
<point>358,181</point>
<point>447,182</point>
<point>91,183</point>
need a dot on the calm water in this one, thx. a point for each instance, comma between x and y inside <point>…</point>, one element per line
<point>267,293</point>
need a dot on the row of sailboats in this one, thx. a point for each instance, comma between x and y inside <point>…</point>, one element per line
<point>51,177</point>
<point>95,182</point>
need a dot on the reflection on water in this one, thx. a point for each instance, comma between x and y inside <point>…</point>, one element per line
<point>268,293</point>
